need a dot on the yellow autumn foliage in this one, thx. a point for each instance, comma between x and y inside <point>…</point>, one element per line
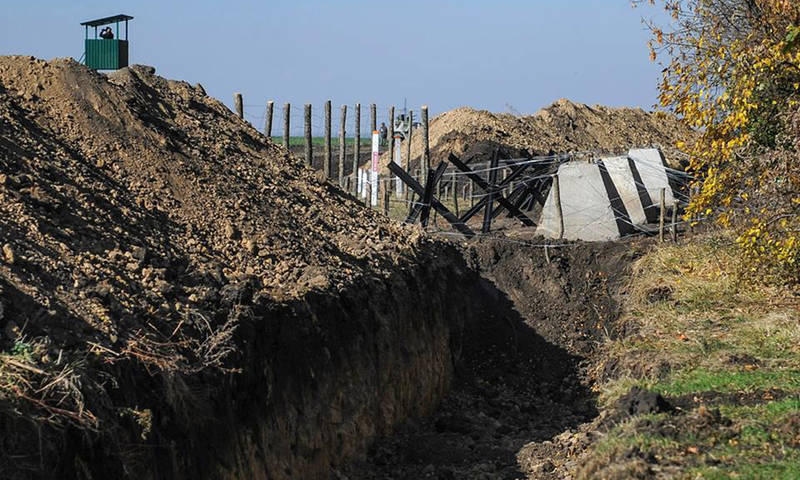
<point>732,71</point>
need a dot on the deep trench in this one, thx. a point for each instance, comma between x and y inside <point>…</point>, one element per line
<point>520,376</point>
<point>444,369</point>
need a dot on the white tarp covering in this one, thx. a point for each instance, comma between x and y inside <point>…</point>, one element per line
<point>620,172</point>
<point>654,175</point>
<point>585,206</point>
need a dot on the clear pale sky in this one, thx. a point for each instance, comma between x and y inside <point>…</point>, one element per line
<point>496,55</point>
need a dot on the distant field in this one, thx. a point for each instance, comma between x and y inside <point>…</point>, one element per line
<point>319,141</point>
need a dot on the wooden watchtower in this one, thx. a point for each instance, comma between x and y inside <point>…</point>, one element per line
<point>106,53</point>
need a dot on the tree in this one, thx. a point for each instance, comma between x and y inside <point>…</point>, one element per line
<point>733,73</point>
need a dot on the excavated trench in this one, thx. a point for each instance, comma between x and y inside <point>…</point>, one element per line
<point>445,369</point>
<point>520,375</point>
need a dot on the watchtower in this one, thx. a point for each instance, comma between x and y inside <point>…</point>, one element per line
<point>106,53</point>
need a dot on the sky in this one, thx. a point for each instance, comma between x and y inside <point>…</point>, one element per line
<point>501,55</point>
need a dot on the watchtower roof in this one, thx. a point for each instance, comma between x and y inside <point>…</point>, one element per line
<point>107,20</point>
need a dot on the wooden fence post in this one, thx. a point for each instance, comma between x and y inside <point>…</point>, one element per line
<point>357,146</point>
<point>661,216</point>
<point>488,212</point>
<point>390,140</point>
<point>237,100</point>
<point>471,196</point>
<point>268,121</point>
<point>286,116</point>
<point>386,197</point>
<point>328,155</point>
<point>438,195</point>
<point>342,145</point>
<point>309,147</point>
<point>426,152</point>
<point>455,197</point>
<point>557,200</point>
<point>368,197</point>
<point>373,118</point>
<point>674,228</point>
<point>409,194</point>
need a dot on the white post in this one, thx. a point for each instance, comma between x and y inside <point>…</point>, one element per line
<point>398,184</point>
<point>362,183</point>
<point>376,155</point>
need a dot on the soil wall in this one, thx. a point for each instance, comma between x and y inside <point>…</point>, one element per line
<point>321,377</point>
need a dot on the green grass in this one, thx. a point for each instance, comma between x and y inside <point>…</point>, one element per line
<point>714,315</point>
<point>724,381</point>
<point>320,141</point>
<point>788,469</point>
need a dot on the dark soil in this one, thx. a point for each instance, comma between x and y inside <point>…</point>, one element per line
<point>520,378</point>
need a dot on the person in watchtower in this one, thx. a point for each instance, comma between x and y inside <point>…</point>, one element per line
<point>107,33</point>
<point>384,133</point>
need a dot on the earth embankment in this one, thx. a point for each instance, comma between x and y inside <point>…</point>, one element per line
<point>181,298</point>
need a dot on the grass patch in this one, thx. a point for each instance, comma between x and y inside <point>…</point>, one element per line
<point>716,334</point>
<point>702,380</point>
<point>788,469</point>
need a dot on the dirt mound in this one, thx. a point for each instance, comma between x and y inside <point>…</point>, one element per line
<point>138,220</point>
<point>562,127</point>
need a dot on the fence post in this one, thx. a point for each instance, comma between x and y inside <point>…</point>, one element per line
<point>373,118</point>
<point>674,228</point>
<point>386,196</point>
<point>471,196</point>
<point>326,166</point>
<point>374,176</point>
<point>286,115</point>
<point>661,217</point>
<point>557,201</point>
<point>268,124</point>
<point>488,212</point>
<point>368,191</point>
<point>309,147</point>
<point>455,197</point>
<point>390,140</point>
<point>237,99</point>
<point>357,147</point>
<point>438,196</point>
<point>409,194</point>
<point>342,145</point>
<point>426,152</point>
